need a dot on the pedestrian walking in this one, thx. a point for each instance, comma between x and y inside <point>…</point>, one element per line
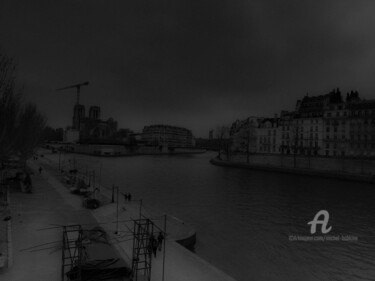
<point>126,197</point>
<point>129,197</point>
<point>40,170</point>
<point>160,240</point>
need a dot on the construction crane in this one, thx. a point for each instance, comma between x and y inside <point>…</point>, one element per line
<point>78,86</point>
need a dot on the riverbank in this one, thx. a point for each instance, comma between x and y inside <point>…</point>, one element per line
<point>367,178</point>
<point>179,231</point>
<point>36,241</point>
<point>52,204</point>
<point>180,262</point>
<point>121,150</point>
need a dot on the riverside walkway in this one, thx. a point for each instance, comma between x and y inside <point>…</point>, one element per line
<point>36,253</point>
<point>51,204</point>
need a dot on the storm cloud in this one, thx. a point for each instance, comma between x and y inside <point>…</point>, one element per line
<point>191,63</point>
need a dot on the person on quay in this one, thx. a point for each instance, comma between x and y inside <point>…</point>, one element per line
<point>160,240</point>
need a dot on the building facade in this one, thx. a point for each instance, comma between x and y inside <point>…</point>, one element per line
<point>326,125</point>
<point>91,128</point>
<point>268,135</point>
<point>165,136</point>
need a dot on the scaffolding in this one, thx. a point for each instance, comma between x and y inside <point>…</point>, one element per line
<point>142,248</point>
<point>72,253</point>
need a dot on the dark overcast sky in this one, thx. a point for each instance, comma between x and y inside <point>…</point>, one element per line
<point>196,64</point>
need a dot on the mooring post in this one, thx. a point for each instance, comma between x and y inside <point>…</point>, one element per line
<point>165,237</point>
<point>113,193</point>
<point>117,213</point>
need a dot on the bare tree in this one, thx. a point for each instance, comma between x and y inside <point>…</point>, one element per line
<point>10,103</point>
<point>222,136</point>
<point>20,126</point>
<point>31,125</point>
<point>245,139</point>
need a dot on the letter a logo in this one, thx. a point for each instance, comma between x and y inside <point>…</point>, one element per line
<point>323,222</point>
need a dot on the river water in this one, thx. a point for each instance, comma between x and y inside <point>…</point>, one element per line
<point>245,220</point>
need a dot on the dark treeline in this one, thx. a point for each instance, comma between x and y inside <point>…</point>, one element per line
<point>50,134</point>
<point>21,124</point>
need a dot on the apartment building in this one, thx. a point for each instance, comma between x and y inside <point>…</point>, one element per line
<point>326,125</point>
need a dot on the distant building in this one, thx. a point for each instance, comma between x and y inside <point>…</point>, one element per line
<point>307,131</point>
<point>360,136</point>
<point>78,116</point>
<point>287,132</point>
<point>93,129</point>
<point>165,136</point>
<point>325,125</point>
<point>71,135</point>
<point>126,136</point>
<point>268,136</point>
